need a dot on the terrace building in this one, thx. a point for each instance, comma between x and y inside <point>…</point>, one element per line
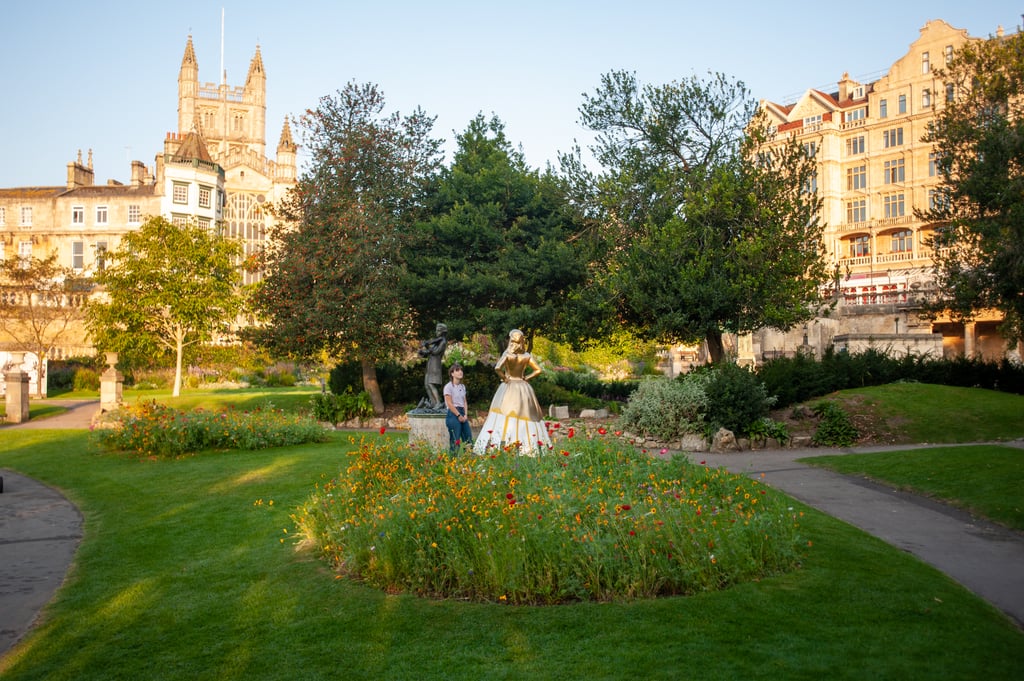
<point>874,170</point>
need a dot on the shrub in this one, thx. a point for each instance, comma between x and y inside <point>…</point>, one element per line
<point>153,429</point>
<point>795,379</point>
<point>335,409</point>
<point>280,379</point>
<point>60,373</point>
<point>800,378</point>
<point>591,521</point>
<point>667,408</point>
<point>86,379</point>
<point>549,393</point>
<point>736,397</point>
<point>153,380</point>
<point>765,428</point>
<point>834,428</point>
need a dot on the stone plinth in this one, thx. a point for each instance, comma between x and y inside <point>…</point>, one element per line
<point>558,411</point>
<point>428,430</point>
<point>111,382</point>
<point>16,399</point>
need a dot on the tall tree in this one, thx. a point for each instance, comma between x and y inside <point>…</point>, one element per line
<point>493,255</point>
<point>334,268</point>
<point>702,223</point>
<point>41,304</point>
<point>979,206</point>
<point>166,287</point>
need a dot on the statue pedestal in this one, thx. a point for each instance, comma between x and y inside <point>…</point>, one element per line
<point>111,382</point>
<point>428,431</point>
<point>16,398</point>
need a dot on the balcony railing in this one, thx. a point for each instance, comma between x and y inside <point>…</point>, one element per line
<point>900,256</point>
<point>875,224</point>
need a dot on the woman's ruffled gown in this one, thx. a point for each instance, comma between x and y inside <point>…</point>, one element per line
<point>515,418</point>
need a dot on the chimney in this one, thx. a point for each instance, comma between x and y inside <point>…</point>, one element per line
<point>80,175</point>
<point>138,173</point>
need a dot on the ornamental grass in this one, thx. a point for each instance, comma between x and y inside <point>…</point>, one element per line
<point>593,519</point>
<point>151,429</point>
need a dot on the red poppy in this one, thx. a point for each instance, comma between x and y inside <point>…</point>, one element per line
<point>572,432</point>
<point>626,507</point>
<point>510,496</point>
<point>382,429</point>
<point>602,431</point>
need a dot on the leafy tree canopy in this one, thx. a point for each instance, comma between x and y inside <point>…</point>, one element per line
<point>700,222</point>
<point>494,254</point>
<point>164,288</point>
<point>334,268</point>
<point>979,207</point>
<point>41,303</point>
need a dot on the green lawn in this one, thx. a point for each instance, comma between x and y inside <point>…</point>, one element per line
<point>183,574</point>
<point>984,479</point>
<point>939,414</point>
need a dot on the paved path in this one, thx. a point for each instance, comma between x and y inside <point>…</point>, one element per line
<point>40,530</point>
<point>986,558</point>
<point>39,533</point>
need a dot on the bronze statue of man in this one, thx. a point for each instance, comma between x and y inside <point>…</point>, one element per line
<point>433,350</point>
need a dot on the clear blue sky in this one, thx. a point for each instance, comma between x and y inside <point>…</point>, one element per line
<point>103,75</point>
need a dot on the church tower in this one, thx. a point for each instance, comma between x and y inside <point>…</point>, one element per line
<point>232,120</point>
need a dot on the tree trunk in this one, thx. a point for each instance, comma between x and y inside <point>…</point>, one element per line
<point>714,342</point>
<point>40,373</point>
<point>179,351</point>
<point>371,386</point>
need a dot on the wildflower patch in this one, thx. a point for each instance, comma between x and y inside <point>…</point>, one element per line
<point>152,429</point>
<point>593,519</point>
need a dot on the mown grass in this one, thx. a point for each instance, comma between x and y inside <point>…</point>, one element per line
<point>984,479</point>
<point>187,572</point>
<point>938,414</point>
<point>36,410</point>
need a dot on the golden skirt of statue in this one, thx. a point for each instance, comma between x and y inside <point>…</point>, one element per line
<point>515,419</point>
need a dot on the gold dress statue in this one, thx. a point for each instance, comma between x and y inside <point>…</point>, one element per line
<point>515,418</point>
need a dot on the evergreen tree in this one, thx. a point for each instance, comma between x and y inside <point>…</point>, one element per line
<point>334,269</point>
<point>494,254</point>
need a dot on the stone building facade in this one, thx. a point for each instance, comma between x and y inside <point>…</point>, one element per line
<point>873,172</point>
<point>213,170</point>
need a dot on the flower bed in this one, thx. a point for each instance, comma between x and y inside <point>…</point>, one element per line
<point>591,520</point>
<point>153,429</point>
